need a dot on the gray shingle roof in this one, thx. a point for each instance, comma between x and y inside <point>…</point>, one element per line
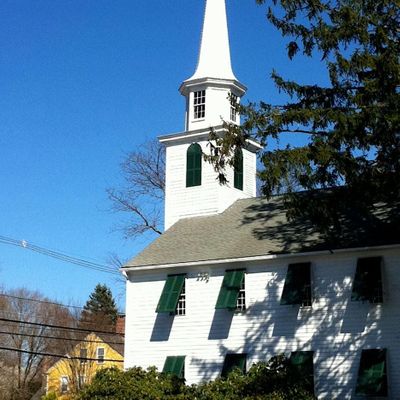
<point>255,227</point>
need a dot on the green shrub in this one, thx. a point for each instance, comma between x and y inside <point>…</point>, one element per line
<point>49,396</point>
<point>274,380</point>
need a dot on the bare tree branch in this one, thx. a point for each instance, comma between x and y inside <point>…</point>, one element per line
<point>143,171</point>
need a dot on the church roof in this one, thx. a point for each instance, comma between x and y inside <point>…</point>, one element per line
<point>258,227</point>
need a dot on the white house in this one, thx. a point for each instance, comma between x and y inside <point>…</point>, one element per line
<point>232,281</point>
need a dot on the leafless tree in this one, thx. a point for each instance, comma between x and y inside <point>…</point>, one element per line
<point>23,344</point>
<point>142,194</point>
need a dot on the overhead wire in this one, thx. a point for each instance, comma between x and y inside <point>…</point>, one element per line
<point>40,301</point>
<point>58,255</point>
<point>18,321</point>
<point>58,338</point>
<point>65,356</point>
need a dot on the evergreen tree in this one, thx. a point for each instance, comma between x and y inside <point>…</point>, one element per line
<point>352,125</point>
<point>100,309</point>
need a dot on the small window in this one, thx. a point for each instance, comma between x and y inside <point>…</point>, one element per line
<point>170,295</point>
<point>181,306</point>
<point>303,365</point>
<point>229,292</point>
<point>100,355</point>
<point>199,104</point>
<point>233,100</point>
<point>372,375</point>
<point>233,361</point>
<point>238,169</point>
<point>175,365</point>
<point>241,300</point>
<point>83,355</point>
<point>297,289</point>
<point>64,384</point>
<point>193,165</point>
<point>367,284</point>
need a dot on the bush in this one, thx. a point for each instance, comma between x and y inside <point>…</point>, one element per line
<point>274,380</point>
<point>49,396</point>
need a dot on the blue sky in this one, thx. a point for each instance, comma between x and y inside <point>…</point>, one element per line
<point>81,84</point>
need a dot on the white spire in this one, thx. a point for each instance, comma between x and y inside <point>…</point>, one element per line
<point>214,58</point>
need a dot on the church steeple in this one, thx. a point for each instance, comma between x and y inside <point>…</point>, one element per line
<point>191,187</point>
<point>208,89</point>
<point>214,56</point>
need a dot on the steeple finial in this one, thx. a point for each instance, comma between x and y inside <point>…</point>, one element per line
<point>214,57</point>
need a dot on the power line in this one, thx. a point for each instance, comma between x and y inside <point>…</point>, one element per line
<point>59,327</point>
<point>58,255</point>
<point>58,355</point>
<point>59,338</point>
<point>40,301</point>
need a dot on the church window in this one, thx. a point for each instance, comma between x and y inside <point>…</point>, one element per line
<point>297,288</point>
<point>193,165</point>
<point>241,300</point>
<point>175,365</point>
<point>230,288</point>
<point>233,361</point>
<point>171,293</point>
<point>181,306</point>
<point>367,284</point>
<point>238,169</point>
<point>372,375</point>
<point>302,363</point>
<point>233,100</point>
<point>199,104</point>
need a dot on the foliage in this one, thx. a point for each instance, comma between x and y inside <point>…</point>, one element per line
<point>144,175</point>
<point>49,396</point>
<point>21,373</point>
<point>274,380</point>
<point>100,309</point>
<point>352,125</point>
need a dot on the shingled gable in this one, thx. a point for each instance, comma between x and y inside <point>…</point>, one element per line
<point>258,227</point>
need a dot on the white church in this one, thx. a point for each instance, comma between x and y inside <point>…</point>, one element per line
<point>232,282</point>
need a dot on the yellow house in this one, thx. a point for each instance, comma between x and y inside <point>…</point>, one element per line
<point>68,375</point>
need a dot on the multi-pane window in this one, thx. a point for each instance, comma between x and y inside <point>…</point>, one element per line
<point>193,165</point>
<point>171,294</point>
<point>372,374</point>
<point>367,285</point>
<point>241,300</point>
<point>100,355</point>
<point>199,104</point>
<point>230,288</point>
<point>234,100</point>
<point>181,306</point>
<point>64,384</point>
<point>233,361</point>
<point>297,288</point>
<point>83,355</point>
<point>175,365</point>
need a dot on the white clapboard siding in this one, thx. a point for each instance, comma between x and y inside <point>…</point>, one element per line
<point>335,328</point>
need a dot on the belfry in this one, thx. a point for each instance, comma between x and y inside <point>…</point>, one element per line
<point>191,185</point>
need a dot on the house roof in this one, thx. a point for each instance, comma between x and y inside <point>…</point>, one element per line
<point>258,227</point>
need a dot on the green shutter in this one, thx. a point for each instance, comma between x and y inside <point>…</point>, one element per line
<point>229,292</point>
<point>233,361</point>
<point>175,365</point>
<point>238,170</point>
<point>367,284</point>
<point>372,378</point>
<point>193,165</point>
<point>297,289</point>
<point>302,362</point>
<point>170,294</point>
